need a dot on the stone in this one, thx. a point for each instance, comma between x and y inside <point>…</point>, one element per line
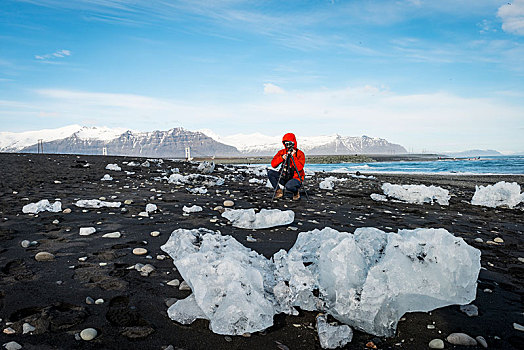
<point>480,339</point>
<point>470,310</point>
<point>160,257</point>
<point>171,301</point>
<point>12,345</point>
<point>88,334</point>
<point>66,211</point>
<point>9,330</point>
<point>143,214</point>
<point>521,260</point>
<point>27,328</point>
<point>174,283</point>
<point>155,233</point>
<point>56,222</point>
<point>436,344</point>
<point>86,231</point>
<point>184,286</point>
<point>90,301</point>
<point>147,269</point>
<point>25,243</point>
<point>128,201</point>
<point>228,203</point>
<point>82,259</point>
<point>140,251</point>
<point>461,339</point>
<point>479,240</point>
<point>112,235</point>
<point>518,327</point>
<point>44,256</point>
<point>498,240</point>
<point>99,301</point>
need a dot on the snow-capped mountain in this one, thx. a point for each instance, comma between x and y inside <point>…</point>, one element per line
<point>77,139</point>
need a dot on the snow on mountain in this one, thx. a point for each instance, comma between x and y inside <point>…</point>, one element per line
<point>99,133</point>
<point>13,141</point>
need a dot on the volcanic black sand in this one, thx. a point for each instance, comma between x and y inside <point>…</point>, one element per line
<point>51,295</point>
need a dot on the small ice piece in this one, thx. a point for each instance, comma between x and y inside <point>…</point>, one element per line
<point>146,164</point>
<point>257,181</point>
<point>192,209</point>
<point>113,167</point>
<point>206,167</point>
<point>151,208</point>
<point>417,194</point>
<point>378,197</point>
<point>86,231</point>
<point>186,311</point>
<point>332,336</point>
<point>43,205</point>
<point>248,219</point>
<point>133,164</point>
<point>499,194</point>
<point>329,182</point>
<point>96,203</point>
<point>195,179</point>
<point>197,190</point>
<point>107,177</point>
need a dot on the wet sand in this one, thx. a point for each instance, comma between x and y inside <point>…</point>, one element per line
<point>51,295</point>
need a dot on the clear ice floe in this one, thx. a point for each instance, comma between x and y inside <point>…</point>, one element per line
<point>43,205</point>
<point>133,164</point>
<point>257,181</point>
<point>151,208</point>
<point>367,279</point>
<point>113,167</point>
<point>500,194</point>
<point>266,218</point>
<point>206,167</point>
<point>96,203</point>
<point>378,197</point>
<point>106,177</point>
<point>418,194</point>
<point>197,190</point>
<point>195,179</point>
<point>332,336</point>
<point>192,209</point>
<point>329,182</point>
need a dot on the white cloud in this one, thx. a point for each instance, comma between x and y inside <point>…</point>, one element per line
<point>56,54</point>
<point>512,15</point>
<point>270,89</point>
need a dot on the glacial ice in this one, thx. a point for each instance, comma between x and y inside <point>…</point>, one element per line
<point>206,167</point>
<point>266,218</point>
<point>197,190</point>
<point>113,167</point>
<point>43,205</point>
<point>329,182</point>
<point>332,336</point>
<point>378,197</point>
<point>195,179</point>
<point>150,207</point>
<point>418,194</point>
<point>499,194</point>
<point>106,177</point>
<point>96,203</point>
<point>192,209</point>
<point>367,280</point>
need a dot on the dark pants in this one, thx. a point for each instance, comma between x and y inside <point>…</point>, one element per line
<point>292,185</point>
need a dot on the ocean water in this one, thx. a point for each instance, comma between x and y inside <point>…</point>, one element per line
<point>489,165</point>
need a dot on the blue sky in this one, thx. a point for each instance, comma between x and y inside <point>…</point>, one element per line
<point>431,75</point>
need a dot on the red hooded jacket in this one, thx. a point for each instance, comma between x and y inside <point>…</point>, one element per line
<point>300,158</point>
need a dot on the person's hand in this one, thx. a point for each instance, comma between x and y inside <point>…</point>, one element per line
<point>284,156</point>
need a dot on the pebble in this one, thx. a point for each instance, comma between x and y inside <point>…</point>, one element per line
<point>229,203</point>
<point>174,283</point>
<point>112,235</point>
<point>66,211</point>
<point>90,301</point>
<point>184,286</point>
<point>480,339</point>
<point>461,339</point>
<point>9,330</point>
<point>436,344</point>
<point>430,326</point>
<point>86,231</point>
<point>155,233</point>
<point>12,345</point>
<point>470,310</point>
<point>228,338</point>
<point>250,239</point>
<point>171,301</point>
<point>521,260</point>
<point>479,240</point>
<point>56,222</point>
<point>82,259</point>
<point>99,301</point>
<point>498,240</point>
<point>88,334</point>
<point>128,201</point>
<point>44,256</point>
<point>140,251</point>
<point>25,243</point>
<point>27,328</point>
<point>146,270</point>
<point>161,257</point>
<point>518,327</point>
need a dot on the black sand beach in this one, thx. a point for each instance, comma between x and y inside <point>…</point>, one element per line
<point>51,295</point>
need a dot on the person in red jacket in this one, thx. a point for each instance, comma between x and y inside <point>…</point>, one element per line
<point>292,168</point>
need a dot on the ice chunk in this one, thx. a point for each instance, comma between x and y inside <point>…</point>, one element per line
<point>206,167</point>
<point>329,182</point>
<point>133,164</point>
<point>186,311</point>
<point>501,193</point>
<point>378,197</point>
<point>192,209</point>
<point>95,204</point>
<point>195,179</point>
<point>151,208</point>
<point>417,194</point>
<point>332,336</point>
<point>231,284</point>
<point>43,205</point>
<point>247,218</point>
<point>197,190</point>
<point>107,177</point>
<point>113,167</point>
<point>257,181</point>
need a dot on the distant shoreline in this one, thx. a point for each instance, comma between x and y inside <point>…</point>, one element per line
<point>330,159</point>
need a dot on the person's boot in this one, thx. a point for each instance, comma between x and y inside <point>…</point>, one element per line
<point>279,193</point>
<point>296,196</point>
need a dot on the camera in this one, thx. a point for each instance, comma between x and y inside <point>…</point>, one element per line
<point>289,144</point>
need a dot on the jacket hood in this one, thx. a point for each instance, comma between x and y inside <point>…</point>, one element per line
<point>290,137</point>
